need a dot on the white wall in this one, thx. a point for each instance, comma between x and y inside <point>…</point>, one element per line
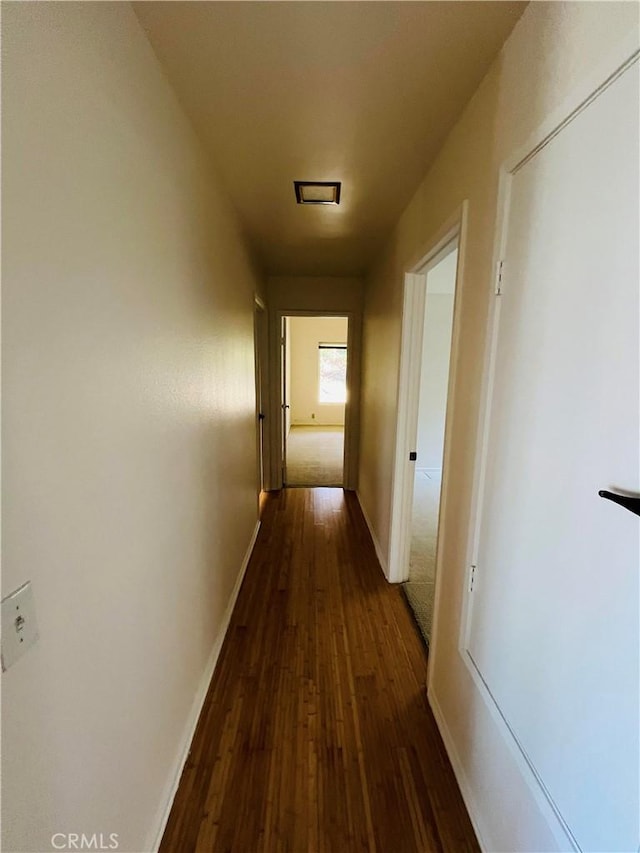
<point>306,335</point>
<point>129,434</point>
<point>434,378</point>
<point>553,48</point>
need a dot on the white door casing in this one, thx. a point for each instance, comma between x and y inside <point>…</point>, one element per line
<point>352,406</point>
<point>413,311</point>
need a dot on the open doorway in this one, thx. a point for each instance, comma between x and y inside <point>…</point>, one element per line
<point>261,378</point>
<point>429,445</point>
<point>314,396</point>
<point>428,359</point>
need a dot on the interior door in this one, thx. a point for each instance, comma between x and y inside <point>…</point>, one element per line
<point>554,627</point>
<point>260,345</point>
<point>286,409</point>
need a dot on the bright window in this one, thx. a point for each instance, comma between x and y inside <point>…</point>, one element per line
<point>332,360</point>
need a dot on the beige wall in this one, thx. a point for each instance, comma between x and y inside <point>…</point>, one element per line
<point>554,47</point>
<point>315,293</point>
<point>129,434</point>
<point>305,336</point>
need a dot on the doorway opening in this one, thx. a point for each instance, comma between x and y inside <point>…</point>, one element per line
<point>260,337</point>
<point>314,366</point>
<point>437,319</point>
<point>428,362</point>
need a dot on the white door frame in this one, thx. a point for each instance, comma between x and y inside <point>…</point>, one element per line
<point>415,283</point>
<point>351,413</point>
<point>261,356</point>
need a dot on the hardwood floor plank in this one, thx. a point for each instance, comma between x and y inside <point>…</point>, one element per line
<point>316,734</point>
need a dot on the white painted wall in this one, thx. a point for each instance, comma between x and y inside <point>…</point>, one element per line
<point>434,378</point>
<point>129,434</point>
<point>306,335</point>
<point>554,47</point>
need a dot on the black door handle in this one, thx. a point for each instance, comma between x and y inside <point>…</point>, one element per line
<point>261,416</point>
<point>632,504</point>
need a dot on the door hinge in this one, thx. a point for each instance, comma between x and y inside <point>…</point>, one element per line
<point>499,275</point>
<point>472,577</point>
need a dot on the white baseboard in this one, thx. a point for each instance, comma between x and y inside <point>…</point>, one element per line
<point>381,559</point>
<point>198,702</point>
<point>461,778</point>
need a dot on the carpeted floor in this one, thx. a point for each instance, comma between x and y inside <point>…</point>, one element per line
<point>314,456</point>
<point>420,588</point>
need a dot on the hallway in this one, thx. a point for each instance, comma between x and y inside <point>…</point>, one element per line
<point>188,189</point>
<point>316,733</point>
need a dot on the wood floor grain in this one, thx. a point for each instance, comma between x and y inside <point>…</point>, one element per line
<point>316,734</point>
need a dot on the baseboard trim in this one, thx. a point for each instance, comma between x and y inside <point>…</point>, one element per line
<point>198,702</point>
<point>458,770</point>
<point>376,544</point>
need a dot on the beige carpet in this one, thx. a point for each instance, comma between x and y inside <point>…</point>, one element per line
<point>314,456</point>
<point>420,588</point>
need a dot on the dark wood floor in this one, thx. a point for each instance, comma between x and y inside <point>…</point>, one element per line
<point>316,734</point>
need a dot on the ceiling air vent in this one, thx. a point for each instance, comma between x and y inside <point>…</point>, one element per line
<point>317,192</point>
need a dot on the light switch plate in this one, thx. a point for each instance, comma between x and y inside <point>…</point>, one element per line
<point>19,626</point>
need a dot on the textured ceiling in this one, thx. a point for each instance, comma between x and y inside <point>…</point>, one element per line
<point>359,92</point>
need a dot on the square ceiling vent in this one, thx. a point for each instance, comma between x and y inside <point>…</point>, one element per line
<point>317,192</point>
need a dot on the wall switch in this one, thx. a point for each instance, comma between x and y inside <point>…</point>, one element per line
<point>19,626</point>
<point>313,415</point>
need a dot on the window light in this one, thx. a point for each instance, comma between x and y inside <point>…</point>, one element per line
<point>332,362</point>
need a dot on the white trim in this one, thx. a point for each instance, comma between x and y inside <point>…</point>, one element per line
<point>261,368</point>
<point>486,391</point>
<point>458,771</point>
<point>198,702</point>
<point>374,538</point>
<point>580,98</point>
<point>352,406</point>
<point>408,401</point>
<point>446,454</point>
<point>408,387</point>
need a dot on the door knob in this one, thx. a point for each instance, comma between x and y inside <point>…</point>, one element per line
<point>628,502</point>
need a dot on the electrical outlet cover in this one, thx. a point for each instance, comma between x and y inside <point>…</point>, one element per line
<point>19,626</point>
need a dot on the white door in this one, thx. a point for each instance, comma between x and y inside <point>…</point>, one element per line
<point>259,333</point>
<point>554,628</point>
<point>284,395</point>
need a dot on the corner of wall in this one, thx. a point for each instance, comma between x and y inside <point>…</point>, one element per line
<point>376,544</point>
